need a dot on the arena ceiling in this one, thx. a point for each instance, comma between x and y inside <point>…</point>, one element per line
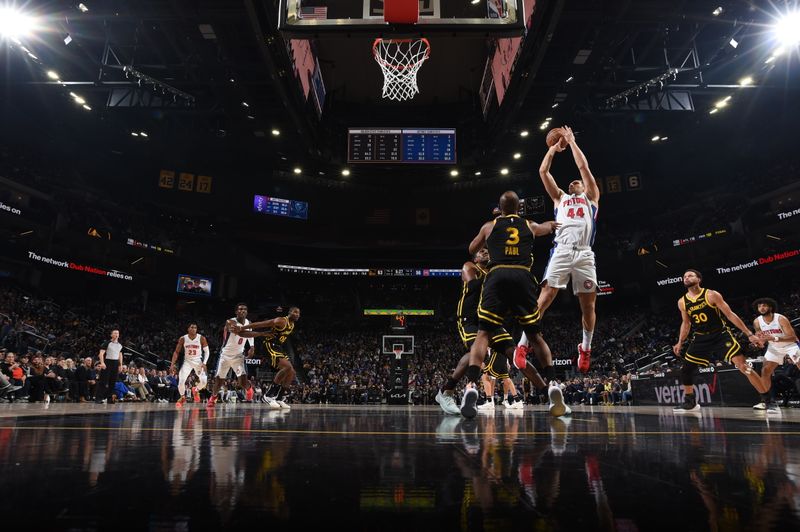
<point>211,81</point>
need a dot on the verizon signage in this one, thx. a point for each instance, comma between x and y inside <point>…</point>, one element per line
<point>69,265</point>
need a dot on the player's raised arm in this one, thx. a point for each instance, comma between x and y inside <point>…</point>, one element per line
<point>469,272</point>
<point>589,182</point>
<point>716,299</point>
<point>548,180</point>
<point>275,323</point>
<point>480,241</point>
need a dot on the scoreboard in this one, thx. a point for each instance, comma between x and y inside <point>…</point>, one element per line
<point>400,145</point>
<point>280,207</point>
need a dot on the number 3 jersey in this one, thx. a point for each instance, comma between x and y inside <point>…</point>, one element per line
<point>578,219</point>
<point>510,242</point>
<point>705,317</point>
<point>233,344</point>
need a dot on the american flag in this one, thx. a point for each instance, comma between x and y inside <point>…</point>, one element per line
<point>314,13</point>
<point>379,216</point>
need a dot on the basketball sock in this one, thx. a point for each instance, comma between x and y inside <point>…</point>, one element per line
<point>473,374</point>
<point>450,385</point>
<point>587,340</point>
<point>523,340</point>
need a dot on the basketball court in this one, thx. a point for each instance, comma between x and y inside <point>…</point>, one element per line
<point>388,109</point>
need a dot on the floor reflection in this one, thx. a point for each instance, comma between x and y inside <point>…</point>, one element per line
<point>394,469</point>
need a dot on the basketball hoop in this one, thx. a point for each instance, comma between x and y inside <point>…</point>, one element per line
<point>398,352</point>
<point>400,60</point>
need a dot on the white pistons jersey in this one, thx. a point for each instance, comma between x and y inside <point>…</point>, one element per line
<point>773,329</point>
<point>193,349</point>
<point>233,344</point>
<point>578,219</point>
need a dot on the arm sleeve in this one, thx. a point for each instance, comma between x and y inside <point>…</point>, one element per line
<point>205,354</point>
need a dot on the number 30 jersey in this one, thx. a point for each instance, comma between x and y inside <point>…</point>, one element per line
<point>705,317</point>
<point>578,219</point>
<point>510,242</point>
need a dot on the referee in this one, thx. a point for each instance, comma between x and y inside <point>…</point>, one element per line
<point>110,360</point>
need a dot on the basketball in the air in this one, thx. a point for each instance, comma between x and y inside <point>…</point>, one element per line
<point>553,136</point>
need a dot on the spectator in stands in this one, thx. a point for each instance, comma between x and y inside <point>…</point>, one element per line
<point>85,380</point>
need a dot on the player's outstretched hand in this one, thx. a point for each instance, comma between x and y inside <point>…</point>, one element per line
<point>756,340</point>
<point>569,136</point>
<point>677,349</point>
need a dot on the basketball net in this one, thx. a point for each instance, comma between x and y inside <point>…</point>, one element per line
<point>400,60</point>
<point>398,353</point>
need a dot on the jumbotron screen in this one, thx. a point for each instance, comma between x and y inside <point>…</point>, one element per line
<point>401,145</point>
<point>194,285</point>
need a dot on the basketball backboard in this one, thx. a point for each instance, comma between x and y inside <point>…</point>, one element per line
<point>310,18</point>
<point>390,342</point>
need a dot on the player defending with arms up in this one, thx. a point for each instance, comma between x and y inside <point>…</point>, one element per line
<point>279,330</point>
<point>572,255</point>
<point>231,356</point>
<point>702,312</point>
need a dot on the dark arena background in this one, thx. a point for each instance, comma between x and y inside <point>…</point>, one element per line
<point>175,168</point>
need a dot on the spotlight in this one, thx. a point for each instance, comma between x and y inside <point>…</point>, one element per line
<point>245,104</point>
<point>454,173</point>
<point>787,30</point>
<point>251,117</point>
<point>143,134</point>
<point>134,134</point>
<point>276,132</point>
<point>478,172</point>
<point>554,106</point>
<point>569,79</point>
<point>14,24</point>
<point>656,138</point>
<point>714,110</point>
<point>524,133</point>
<point>504,171</point>
<point>83,7</point>
<point>298,170</point>
<point>52,74</point>
<point>746,81</point>
<point>517,155</point>
<point>87,107</point>
<point>722,103</point>
<point>664,138</point>
<point>345,172</point>
<point>475,2</point>
<point>717,12</point>
<point>734,43</point>
<point>79,100</point>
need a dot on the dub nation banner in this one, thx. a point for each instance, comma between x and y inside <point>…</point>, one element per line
<point>115,274</point>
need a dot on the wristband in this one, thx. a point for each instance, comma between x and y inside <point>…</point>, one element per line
<point>776,338</point>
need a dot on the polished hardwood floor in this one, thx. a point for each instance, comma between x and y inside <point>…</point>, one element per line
<point>155,467</point>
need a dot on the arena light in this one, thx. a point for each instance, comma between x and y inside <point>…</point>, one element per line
<point>524,133</point>
<point>746,81</point>
<point>734,43</point>
<point>477,173</point>
<point>554,105</point>
<point>345,172</point>
<point>134,134</point>
<point>504,171</point>
<point>569,79</point>
<point>711,112</point>
<point>276,132</point>
<point>787,30</point>
<point>655,138</point>
<point>298,170</point>
<point>14,24</point>
<point>454,173</point>
<point>717,12</point>
<point>517,155</point>
<point>79,100</point>
<point>143,134</point>
<point>722,103</point>
<point>245,104</point>
<point>83,8</point>
<point>87,107</point>
<point>52,74</point>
